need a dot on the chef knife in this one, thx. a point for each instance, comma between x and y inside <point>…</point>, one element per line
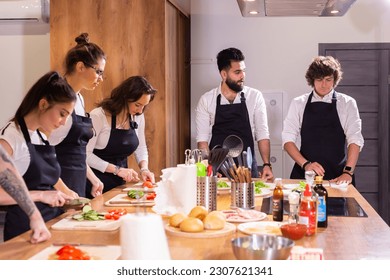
<point>249,157</point>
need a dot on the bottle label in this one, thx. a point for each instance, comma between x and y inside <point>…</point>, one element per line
<point>277,209</point>
<point>321,209</point>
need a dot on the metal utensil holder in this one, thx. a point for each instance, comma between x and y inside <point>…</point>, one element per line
<point>207,192</point>
<point>242,195</point>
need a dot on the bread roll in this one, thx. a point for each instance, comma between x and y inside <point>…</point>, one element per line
<point>214,222</point>
<point>217,213</point>
<point>199,212</point>
<point>191,224</point>
<point>176,219</point>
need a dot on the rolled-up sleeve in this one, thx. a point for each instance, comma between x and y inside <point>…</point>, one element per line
<point>353,124</point>
<point>293,121</point>
<point>260,118</point>
<point>204,119</point>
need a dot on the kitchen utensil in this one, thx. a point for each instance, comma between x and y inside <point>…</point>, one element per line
<point>225,171</point>
<point>206,192</point>
<point>242,195</point>
<point>249,157</point>
<point>245,158</point>
<point>216,157</point>
<point>234,144</point>
<point>262,247</point>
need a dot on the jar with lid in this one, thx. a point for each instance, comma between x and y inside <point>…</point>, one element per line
<point>277,201</point>
<point>293,200</point>
<point>322,199</point>
<point>308,211</point>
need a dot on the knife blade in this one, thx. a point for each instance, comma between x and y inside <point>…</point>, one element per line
<point>249,157</point>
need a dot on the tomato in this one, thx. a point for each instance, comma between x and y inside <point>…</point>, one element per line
<point>69,252</point>
<point>151,196</point>
<point>115,214</point>
<point>148,184</point>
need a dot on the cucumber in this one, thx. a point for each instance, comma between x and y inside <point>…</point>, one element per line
<point>87,208</point>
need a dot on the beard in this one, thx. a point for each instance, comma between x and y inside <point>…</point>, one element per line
<point>233,85</point>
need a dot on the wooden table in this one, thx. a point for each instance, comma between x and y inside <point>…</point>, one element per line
<point>345,238</point>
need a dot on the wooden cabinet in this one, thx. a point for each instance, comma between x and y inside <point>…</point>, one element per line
<point>149,38</point>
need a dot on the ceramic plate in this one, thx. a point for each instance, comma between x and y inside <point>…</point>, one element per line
<point>243,216</point>
<point>290,186</point>
<point>264,192</point>
<point>96,252</point>
<point>272,228</point>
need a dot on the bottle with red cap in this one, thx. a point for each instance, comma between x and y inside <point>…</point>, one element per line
<point>308,211</point>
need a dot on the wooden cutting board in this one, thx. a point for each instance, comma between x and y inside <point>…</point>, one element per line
<point>96,252</point>
<point>124,200</point>
<point>229,229</point>
<point>71,224</point>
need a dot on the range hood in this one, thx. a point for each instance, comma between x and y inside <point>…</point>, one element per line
<point>291,8</point>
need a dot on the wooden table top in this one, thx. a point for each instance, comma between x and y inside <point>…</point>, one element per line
<point>345,238</point>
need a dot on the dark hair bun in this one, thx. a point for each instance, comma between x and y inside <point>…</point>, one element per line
<point>82,39</point>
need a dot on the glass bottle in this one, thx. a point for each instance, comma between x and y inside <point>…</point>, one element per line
<point>308,212</point>
<point>322,199</point>
<point>277,201</point>
<point>293,199</point>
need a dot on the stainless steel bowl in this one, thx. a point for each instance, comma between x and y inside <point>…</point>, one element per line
<point>262,247</point>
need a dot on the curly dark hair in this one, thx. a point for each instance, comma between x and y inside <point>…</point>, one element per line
<point>130,90</point>
<point>323,66</point>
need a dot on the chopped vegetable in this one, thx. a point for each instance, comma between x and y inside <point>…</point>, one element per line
<point>301,187</point>
<point>135,194</point>
<point>115,214</point>
<point>88,214</point>
<point>69,252</point>
<point>222,185</point>
<point>260,185</point>
<point>148,184</point>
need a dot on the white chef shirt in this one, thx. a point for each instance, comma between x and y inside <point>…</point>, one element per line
<point>21,155</point>
<point>205,113</point>
<point>346,108</point>
<point>59,134</point>
<point>102,134</point>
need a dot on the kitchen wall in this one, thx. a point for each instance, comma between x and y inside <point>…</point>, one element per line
<point>277,50</point>
<point>24,57</point>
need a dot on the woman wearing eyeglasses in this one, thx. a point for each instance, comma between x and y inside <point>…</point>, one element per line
<point>84,67</point>
<point>120,131</point>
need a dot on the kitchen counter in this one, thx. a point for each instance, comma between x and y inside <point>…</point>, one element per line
<point>345,238</point>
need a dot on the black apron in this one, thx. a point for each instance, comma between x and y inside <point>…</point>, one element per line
<point>42,173</point>
<point>322,139</point>
<point>121,144</point>
<point>233,119</point>
<point>72,154</point>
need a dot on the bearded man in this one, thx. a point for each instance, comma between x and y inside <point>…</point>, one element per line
<point>234,109</point>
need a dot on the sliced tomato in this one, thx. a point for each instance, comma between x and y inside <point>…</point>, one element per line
<point>148,184</point>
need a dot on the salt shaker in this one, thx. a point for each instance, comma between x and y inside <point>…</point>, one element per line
<point>293,199</point>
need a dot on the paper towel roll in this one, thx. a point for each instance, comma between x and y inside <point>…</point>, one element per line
<point>177,190</point>
<point>142,237</point>
<point>183,185</point>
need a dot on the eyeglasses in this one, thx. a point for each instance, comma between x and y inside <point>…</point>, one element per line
<point>98,71</point>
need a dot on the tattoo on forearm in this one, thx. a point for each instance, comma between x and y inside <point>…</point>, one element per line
<point>15,187</point>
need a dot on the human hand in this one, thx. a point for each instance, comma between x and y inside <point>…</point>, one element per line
<point>316,167</point>
<point>147,175</point>
<point>39,232</point>
<point>266,174</point>
<point>97,187</point>
<point>54,198</point>
<point>128,174</point>
<point>343,178</point>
